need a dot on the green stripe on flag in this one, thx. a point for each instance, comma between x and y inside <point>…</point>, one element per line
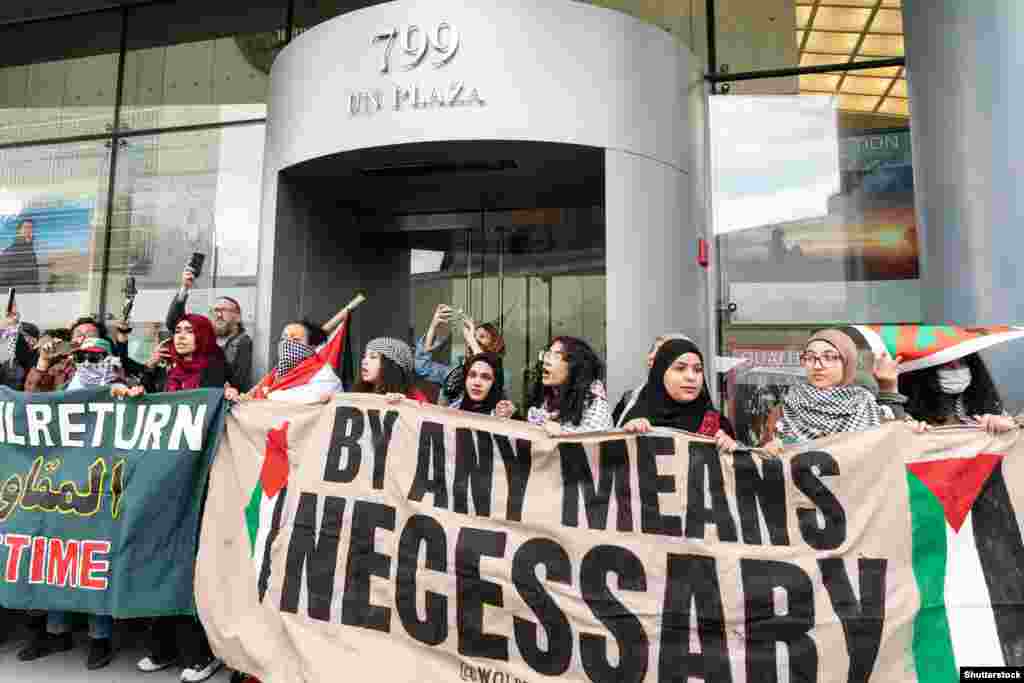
<point>252,517</point>
<point>933,647</point>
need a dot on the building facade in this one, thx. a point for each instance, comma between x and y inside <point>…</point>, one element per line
<point>740,171</point>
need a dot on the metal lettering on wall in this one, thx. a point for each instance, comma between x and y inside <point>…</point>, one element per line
<point>405,49</point>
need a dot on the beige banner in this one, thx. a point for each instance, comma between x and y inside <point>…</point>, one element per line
<point>418,543</point>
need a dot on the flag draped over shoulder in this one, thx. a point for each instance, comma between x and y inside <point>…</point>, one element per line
<point>319,374</point>
<point>926,346</point>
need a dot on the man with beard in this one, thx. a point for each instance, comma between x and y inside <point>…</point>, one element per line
<point>226,316</point>
<point>18,261</point>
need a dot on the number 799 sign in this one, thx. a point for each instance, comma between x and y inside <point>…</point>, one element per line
<point>414,44</point>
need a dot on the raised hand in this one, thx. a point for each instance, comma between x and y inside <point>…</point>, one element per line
<point>887,372</point>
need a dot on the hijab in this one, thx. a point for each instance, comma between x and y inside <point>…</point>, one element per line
<point>654,402</point>
<point>810,413</point>
<point>188,374</point>
<point>497,391</point>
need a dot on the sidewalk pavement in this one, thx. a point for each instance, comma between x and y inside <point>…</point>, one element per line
<point>69,667</point>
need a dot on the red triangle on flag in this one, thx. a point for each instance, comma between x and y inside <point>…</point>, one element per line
<point>274,474</point>
<point>956,482</point>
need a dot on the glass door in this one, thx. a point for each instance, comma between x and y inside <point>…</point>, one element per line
<point>532,273</point>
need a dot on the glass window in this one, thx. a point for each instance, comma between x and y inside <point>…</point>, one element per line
<point>179,72</point>
<point>53,87</point>
<point>179,193</point>
<point>52,207</point>
<point>815,224</point>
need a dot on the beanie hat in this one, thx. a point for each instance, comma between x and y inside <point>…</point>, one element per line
<point>846,348</point>
<point>395,350</point>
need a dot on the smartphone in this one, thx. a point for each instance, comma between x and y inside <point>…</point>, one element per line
<point>163,336</point>
<point>10,300</point>
<point>195,263</point>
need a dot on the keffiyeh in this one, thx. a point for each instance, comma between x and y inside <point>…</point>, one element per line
<point>290,353</point>
<point>810,413</point>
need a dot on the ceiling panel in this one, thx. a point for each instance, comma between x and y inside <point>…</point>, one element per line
<point>832,32</point>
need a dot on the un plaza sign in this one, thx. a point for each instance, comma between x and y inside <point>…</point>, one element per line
<point>407,48</point>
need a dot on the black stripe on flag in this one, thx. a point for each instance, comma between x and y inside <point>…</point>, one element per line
<point>1001,551</point>
<point>275,527</point>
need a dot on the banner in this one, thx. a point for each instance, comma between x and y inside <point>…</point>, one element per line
<point>371,541</point>
<point>100,500</point>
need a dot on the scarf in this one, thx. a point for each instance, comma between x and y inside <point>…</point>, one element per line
<point>487,406</point>
<point>290,353</point>
<point>188,374</point>
<point>88,375</point>
<point>654,402</point>
<point>810,413</point>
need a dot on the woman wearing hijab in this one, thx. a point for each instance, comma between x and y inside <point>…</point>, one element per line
<point>197,362</point>
<point>629,398</point>
<point>676,396</point>
<point>569,396</point>
<point>387,368</point>
<point>960,392</point>
<point>483,387</point>
<point>830,402</point>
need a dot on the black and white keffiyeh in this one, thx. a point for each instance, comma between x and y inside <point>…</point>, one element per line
<point>290,353</point>
<point>810,413</point>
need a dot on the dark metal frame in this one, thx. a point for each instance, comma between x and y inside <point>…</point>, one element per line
<point>715,78</point>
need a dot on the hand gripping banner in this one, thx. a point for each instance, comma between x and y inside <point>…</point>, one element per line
<point>100,499</point>
<point>365,540</point>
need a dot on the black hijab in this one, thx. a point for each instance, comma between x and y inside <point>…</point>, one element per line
<point>497,391</point>
<point>656,405</point>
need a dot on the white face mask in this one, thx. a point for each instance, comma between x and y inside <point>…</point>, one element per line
<point>954,381</point>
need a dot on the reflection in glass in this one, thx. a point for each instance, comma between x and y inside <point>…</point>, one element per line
<point>49,89</point>
<point>52,202</point>
<point>180,193</point>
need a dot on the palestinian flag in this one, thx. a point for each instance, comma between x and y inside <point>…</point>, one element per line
<point>266,503</point>
<point>926,346</point>
<point>968,560</point>
<point>319,374</point>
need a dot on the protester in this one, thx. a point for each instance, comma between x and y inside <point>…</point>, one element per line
<point>958,392</point>
<point>53,372</point>
<point>676,396</point>
<point>483,387</point>
<point>569,396</point>
<point>830,402</point>
<point>227,324</point>
<point>21,339</point>
<point>300,340</point>
<point>478,339</point>
<point>196,362</point>
<point>388,368</point>
<point>95,366</point>
<point>629,398</point>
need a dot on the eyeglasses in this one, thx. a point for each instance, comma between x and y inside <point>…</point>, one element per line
<point>827,359</point>
<point>221,310</point>
<point>553,355</point>
<point>89,356</point>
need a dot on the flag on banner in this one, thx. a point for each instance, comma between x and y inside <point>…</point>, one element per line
<point>319,374</point>
<point>926,346</point>
<point>266,502</point>
<point>968,562</point>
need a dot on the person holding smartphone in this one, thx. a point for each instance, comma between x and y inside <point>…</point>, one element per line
<point>226,316</point>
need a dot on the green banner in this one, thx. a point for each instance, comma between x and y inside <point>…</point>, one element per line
<point>100,500</point>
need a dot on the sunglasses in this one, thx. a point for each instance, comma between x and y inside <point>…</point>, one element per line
<point>89,356</point>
